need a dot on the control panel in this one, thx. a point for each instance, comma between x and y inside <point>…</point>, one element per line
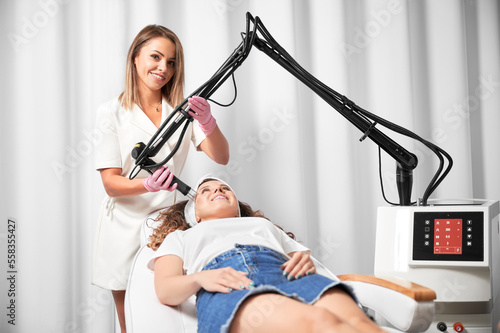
<point>448,236</point>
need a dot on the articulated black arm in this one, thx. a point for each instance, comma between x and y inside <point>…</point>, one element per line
<point>365,121</point>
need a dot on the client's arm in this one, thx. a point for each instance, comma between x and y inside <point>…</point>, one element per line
<point>173,287</point>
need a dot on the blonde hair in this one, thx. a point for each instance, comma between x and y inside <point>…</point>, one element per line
<point>173,91</point>
<point>173,219</point>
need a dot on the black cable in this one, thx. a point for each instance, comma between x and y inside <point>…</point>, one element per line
<point>440,174</point>
<point>381,177</point>
<point>177,145</point>
<point>234,98</point>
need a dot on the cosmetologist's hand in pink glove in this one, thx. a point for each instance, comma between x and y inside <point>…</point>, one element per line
<point>200,110</point>
<point>160,180</point>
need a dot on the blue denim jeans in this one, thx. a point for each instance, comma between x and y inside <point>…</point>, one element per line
<point>216,311</point>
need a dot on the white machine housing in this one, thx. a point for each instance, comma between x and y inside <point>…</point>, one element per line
<point>452,248</point>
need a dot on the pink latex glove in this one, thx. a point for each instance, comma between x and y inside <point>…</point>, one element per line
<point>202,113</point>
<point>160,180</point>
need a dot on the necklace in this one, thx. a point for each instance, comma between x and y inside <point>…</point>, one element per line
<point>148,105</point>
<point>157,105</point>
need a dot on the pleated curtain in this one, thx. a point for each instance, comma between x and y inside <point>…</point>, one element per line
<point>432,67</point>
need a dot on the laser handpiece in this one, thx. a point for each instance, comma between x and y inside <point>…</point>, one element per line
<point>181,186</point>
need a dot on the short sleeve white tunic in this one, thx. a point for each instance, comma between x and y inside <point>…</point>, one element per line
<point>120,219</point>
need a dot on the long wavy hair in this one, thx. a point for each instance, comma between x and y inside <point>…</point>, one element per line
<point>173,90</point>
<point>173,219</point>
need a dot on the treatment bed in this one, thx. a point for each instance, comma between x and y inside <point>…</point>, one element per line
<point>399,306</point>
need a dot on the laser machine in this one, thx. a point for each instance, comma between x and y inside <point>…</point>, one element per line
<point>451,247</point>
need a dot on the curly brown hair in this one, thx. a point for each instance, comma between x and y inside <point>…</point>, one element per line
<point>173,219</point>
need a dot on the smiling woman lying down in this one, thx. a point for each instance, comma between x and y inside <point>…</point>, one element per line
<point>237,262</point>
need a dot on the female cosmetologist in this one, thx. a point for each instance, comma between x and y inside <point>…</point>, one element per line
<point>237,263</point>
<point>154,83</point>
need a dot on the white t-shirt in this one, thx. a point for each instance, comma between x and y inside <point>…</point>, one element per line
<point>200,244</point>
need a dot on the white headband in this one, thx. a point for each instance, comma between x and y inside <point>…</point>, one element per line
<point>189,211</point>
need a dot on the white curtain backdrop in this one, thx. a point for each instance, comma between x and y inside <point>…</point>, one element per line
<point>430,66</point>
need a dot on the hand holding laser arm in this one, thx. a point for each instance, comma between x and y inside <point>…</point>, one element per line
<point>215,145</point>
<point>174,183</point>
<point>161,179</point>
<point>200,110</point>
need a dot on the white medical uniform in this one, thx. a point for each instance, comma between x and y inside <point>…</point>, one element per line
<point>120,219</point>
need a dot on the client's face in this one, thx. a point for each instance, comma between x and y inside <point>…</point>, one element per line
<point>215,200</point>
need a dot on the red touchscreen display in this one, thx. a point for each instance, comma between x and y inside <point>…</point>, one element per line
<point>448,236</point>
